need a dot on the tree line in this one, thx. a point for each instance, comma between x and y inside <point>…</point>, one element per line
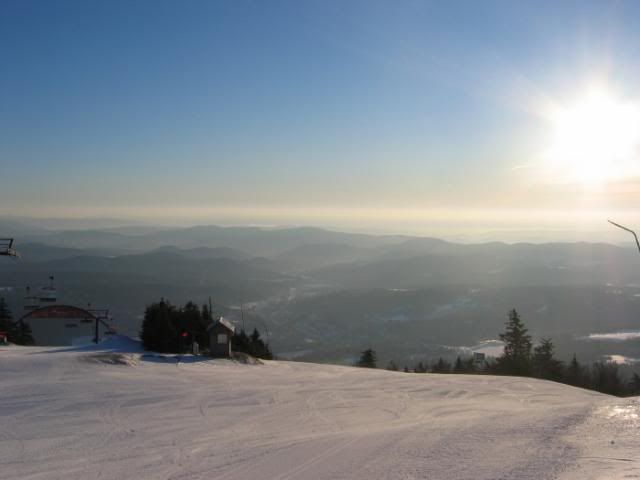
<point>170,329</point>
<point>521,358</point>
<point>17,332</point>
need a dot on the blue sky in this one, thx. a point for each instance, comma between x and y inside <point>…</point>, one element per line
<point>300,112</point>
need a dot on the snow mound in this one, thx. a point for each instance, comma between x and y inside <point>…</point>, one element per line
<point>246,359</point>
<point>111,358</point>
<point>120,343</point>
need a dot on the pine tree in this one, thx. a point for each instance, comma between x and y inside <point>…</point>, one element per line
<point>441,366</point>
<point>252,345</point>
<point>634,384</point>
<point>469,365</point>
<point>206,314</point>
<point>458,367</point>
<point>23,334</point>
<point>17,332</point>
<point>258,348</point>
<point>207,320</point>
<point>367,359</point>
<point>241,342</point>
<point>574,374</point>
<point>268,354</point>
<point>516,359</point>
<point>543,363</point>
<point>392,366</point>
<point>159,332</point>
<point>192,321</point>
<point>605,378</point>
<point>6,319</point>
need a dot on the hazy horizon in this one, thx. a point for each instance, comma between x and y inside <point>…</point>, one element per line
<point>461,234</point>
<point>444,119</point>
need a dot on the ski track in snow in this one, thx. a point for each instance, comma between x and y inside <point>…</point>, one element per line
<point>66,415</point>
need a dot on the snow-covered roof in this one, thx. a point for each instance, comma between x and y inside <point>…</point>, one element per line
<point>225,323</point>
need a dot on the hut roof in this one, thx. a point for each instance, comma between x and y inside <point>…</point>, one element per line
<point>225,323</point>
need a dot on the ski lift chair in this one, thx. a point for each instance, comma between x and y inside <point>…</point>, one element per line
<point>6,248</point>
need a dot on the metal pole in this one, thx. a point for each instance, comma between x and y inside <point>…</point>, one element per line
<point>628,230</point>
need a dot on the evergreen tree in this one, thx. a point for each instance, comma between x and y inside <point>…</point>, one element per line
<point>367,359</point>
<point>392,366</point>
<point>159,332</point>
<point>605,378</point>
<point>257,346</point>
<point>441,366</point>
<point>420,368</point>
<point>207,320</point>
<point>543,363</point>
<point>464,366</point>
<point>458,367</point>
<point>575,374</point>
<point>17,332</point>
<point>192,321</point>
<point>268,354</point>
<point>241,343</point>
<point>469,365</point>
<point>634,384</point>
<point>23,334</point>
<point>206,314</point>
<point>516,359</point>
<point>252,345</point>
<point>6,319</point>
<point>406,369</point>
<point>255,338</point>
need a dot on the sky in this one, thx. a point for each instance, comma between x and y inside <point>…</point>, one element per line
<point>452,117</point>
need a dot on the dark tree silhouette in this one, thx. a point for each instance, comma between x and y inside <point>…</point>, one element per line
<point>441,366</point>
<point>575,373</point>
<point>543,362</point>
<point>17,332</point>
<point>634,384</point>
<point>159,332</point>
<point>367,359</point>
<point>420,368</point>
<point>251,344</point>
<point>605,378</point>
<point>516,359</point>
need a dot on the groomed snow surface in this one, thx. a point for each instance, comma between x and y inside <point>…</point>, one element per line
<point>112,412</point>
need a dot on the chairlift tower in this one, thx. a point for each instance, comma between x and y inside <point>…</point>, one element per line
<point>101,317</point>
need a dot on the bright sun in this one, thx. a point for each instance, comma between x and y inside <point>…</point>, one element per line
<point>595,140</point>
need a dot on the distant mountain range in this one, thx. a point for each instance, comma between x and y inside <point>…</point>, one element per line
<point>324,294</point>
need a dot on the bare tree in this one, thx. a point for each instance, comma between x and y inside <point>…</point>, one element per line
<point>628,230</point>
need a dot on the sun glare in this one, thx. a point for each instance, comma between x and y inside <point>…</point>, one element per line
<point>595,140</point>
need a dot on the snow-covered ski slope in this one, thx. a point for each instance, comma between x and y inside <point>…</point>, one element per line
<point>89,414</point>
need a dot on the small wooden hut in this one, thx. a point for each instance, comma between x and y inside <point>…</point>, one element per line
<point>220,335</point>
